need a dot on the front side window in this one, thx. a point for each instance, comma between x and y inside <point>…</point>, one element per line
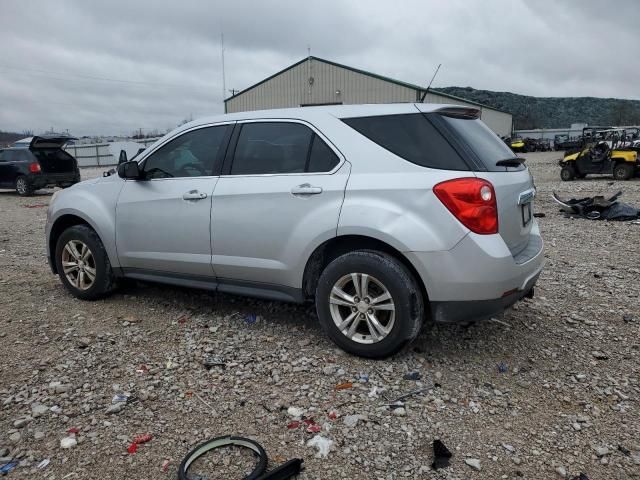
<point>192,154</point>
<point>271,148</point>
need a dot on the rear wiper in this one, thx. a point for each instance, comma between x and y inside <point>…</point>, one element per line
<point>510,162</point>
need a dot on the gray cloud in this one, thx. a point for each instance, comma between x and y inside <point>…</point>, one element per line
<point>112,67</point>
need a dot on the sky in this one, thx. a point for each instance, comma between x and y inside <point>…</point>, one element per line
<point>111,68</point>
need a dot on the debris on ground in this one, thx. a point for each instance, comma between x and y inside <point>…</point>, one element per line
<point>7,467</point>
<point>412,376</point>
<point>344,386</point>
<point>139,440</point>
<point>598,208</point>
<point>68,442</point>
<point>322,444</point>
<point>441,455</point>
<point>502,367</point>
<point>473,463</point>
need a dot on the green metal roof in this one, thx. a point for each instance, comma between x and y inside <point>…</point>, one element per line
<point>412,86</point>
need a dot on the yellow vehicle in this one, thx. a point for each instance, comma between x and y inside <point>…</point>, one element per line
<point>601,157</point>
<point>517,144</point>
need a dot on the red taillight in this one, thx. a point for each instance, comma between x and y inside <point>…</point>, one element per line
<point>472,201</point>
<point>34,167</point>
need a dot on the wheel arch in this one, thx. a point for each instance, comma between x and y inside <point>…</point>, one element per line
<point>331,249</point>
<point>61,224</point>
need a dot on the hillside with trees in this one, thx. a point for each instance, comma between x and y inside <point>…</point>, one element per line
<point>554,112</point>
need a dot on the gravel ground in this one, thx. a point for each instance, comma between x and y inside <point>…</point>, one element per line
<point>549,390</point>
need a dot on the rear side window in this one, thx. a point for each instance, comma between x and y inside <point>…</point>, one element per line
<point>412,137</point>
<point>271,147</point>
<point>321,157</point>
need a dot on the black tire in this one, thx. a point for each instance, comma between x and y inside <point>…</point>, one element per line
<point>103,283</point>
<point>23,187</point>
<point>405,293</point>
<point>623,171</point>
<point>567,173</point>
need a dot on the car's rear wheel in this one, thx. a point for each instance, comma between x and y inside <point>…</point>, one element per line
<point>567,173</point>
<point>83,264</point>
<point>623,171</point>
<point>22,186</point>
<point>369,303</point>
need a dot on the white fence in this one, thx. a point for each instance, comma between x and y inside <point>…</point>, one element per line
<point>103,154</point>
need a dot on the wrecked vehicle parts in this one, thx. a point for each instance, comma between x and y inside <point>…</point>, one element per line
<point>282,472</point>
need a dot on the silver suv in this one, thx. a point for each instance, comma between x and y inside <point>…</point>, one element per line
<point>384,215</point>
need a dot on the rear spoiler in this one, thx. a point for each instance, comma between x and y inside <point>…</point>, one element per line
<point>49,141</point>
<point>459,112</point>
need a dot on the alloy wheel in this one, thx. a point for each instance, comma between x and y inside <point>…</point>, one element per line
<point>362,308</point>
<point>21,186</point>
<point>79,265</point>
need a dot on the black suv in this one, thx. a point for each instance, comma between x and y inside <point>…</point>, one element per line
<point>42,164</point>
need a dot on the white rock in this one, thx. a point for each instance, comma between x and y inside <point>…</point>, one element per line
<point>322,444</point>
<point>473,463</point>
<point>351,420</point>
<point>508,447</point>
<point>68,442</point>
<point>295,412</point>
<point>38,435</point>
<point>399,412</point>
<point>602,451</point>
<point>115,408</point>
<point>37,409</point>
<point>561,471</point>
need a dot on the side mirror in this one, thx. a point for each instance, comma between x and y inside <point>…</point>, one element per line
<point>129,170</point>
<point>123,157</point>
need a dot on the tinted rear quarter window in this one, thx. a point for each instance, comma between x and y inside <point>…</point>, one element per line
<point>412,137</point>
<point>321,158</point>
<point>481,141</point>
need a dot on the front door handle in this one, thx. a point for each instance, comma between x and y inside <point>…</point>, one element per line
<point>306,189</point>
<point>194,195</point>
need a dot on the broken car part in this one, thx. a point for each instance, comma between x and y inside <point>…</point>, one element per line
<point>598,208</point>
<point>282,472</point>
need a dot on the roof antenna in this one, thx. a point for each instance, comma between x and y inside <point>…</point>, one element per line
<point>432,79</point>
<point>224,79</point>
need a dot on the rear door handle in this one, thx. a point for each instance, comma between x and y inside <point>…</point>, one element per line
<point>194,195</point>
<point>306,189</point>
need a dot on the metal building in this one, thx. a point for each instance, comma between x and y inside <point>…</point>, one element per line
<point>315,81</point>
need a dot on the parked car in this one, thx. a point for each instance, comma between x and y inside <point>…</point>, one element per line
<point>384,215</point>
<point>43,163</point>
<point>566,143</point>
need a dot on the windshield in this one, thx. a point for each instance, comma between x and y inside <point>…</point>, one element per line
<point>482,141</point>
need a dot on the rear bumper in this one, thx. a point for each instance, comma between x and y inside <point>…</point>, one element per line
<point>479,277</point>
<point>43,180</point>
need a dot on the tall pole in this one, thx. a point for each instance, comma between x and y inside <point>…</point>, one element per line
<point>224,80</point>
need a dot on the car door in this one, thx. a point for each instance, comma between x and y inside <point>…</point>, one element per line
<point>8,168</point>
<point>279,196</point>
<point>163,219</point>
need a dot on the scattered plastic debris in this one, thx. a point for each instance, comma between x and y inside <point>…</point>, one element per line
<point>251,319</point>
<point>142,369</point>
<point>332,415</point>
<point>441,455</point>
<point>182,319</point>
<point>210,362</point>
<point>502,367</point>
<point>344,386</point>
<point>165,465</point>
<point>412,376</point>
<point>598,208</point>
<point>315,428</point>
<point>322,444</point>
<point>363,378</point>
<point>139,440</point>
<point>43,464</point>
<point>405,396</point>
<point>7,467</point>
<point>373,393</point>
<point>119,398</point>
<point>75,430</point>
<point>293,425</point>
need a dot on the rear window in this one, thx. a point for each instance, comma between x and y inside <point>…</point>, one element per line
<point>412,137</point>
<point>483,143</point>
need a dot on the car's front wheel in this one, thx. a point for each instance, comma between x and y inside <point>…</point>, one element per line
<point>83,264</point>
<point>369,303</point>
